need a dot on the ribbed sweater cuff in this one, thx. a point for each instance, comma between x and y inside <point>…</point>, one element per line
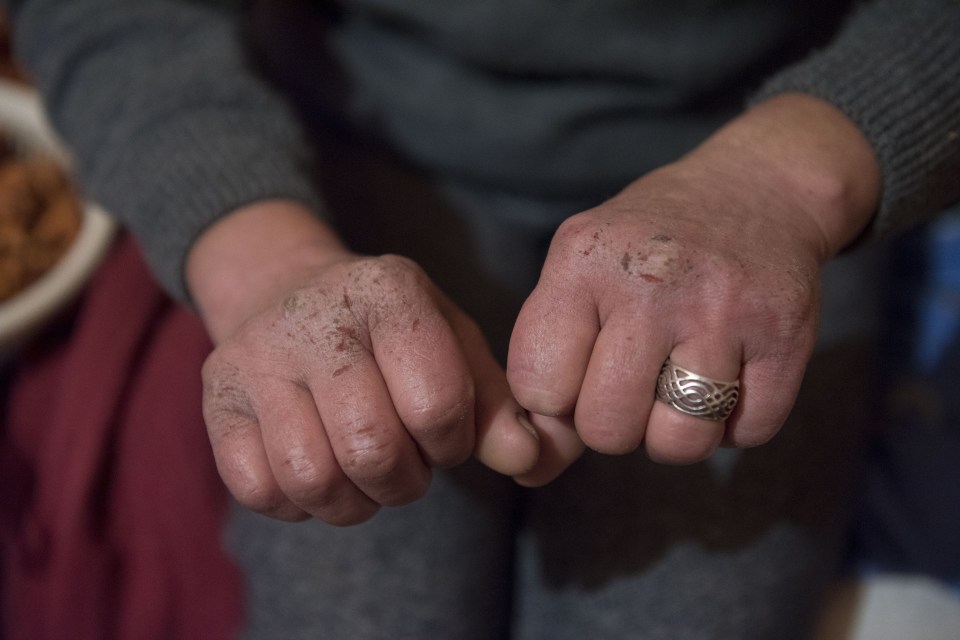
<point>895,71</point>
<point>183,177</point>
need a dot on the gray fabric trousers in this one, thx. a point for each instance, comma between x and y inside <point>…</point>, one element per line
<point>736,548</point>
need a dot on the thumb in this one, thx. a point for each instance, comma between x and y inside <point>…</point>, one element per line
<point>560,446</point>
<point>505,440</point>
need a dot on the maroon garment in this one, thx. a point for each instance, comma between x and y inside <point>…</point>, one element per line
<point>111,510</point>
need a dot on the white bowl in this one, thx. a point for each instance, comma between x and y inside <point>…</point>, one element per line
<point>22,119</point>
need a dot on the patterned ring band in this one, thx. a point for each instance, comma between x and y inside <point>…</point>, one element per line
<point>697,395</point>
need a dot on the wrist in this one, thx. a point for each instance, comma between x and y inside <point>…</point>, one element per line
<point>243,261</point>
<point>806,155</point>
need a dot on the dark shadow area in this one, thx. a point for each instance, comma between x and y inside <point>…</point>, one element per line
<point>908,520</point>
<point>804,478</point>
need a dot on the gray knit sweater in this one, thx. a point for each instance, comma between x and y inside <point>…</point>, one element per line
<point>172,127</point>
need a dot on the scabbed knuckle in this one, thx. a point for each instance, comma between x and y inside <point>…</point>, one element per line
<point>577,238</point>
<point>575,227</point>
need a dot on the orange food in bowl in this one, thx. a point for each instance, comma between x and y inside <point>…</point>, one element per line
<point>40,216</point>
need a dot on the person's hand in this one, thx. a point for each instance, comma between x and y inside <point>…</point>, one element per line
<point>339,381</point>
<point>713,262</point>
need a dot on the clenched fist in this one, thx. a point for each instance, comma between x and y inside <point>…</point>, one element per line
<point>339,381</point>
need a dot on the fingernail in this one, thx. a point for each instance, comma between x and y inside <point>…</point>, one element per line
<point>525,423</point>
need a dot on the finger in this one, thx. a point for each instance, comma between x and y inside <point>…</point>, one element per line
<point>675,437</point>
<point>550,348</point>
<point>429,379</point>
<point>560,446</point>
<point>506,441</point>
<point>302,460</point>
<point>238,447</point>
<point>615,398</point>
<point>369,442</point>
<point>768,388</point>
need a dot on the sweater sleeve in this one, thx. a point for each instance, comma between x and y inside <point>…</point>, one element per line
<point>895,71</point>
<point>170,124</point>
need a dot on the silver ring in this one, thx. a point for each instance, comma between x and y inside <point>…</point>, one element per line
<point>697,395</point>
